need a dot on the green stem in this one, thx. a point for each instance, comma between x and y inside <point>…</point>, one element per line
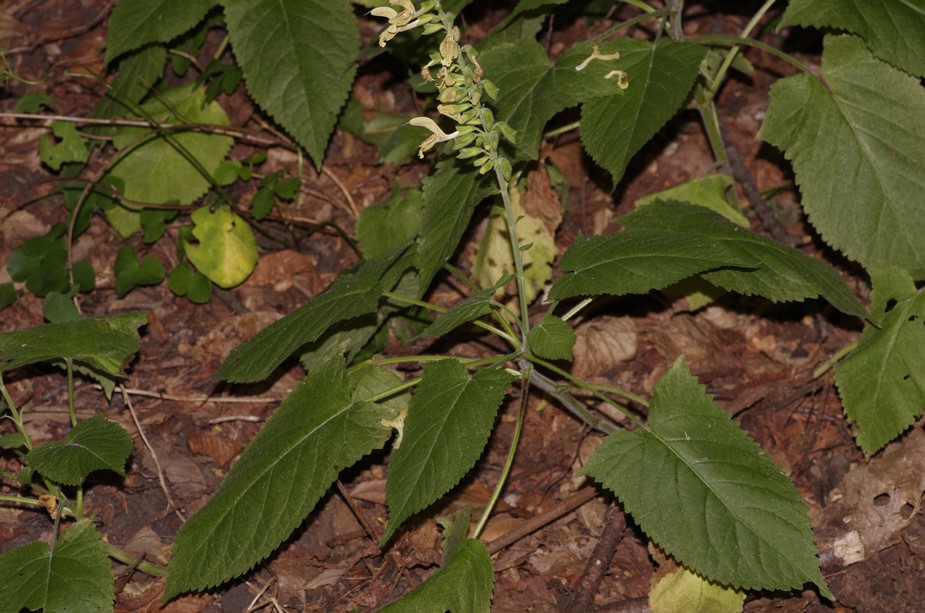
<point>724,40</point>
<point>16,416</point>
<point>152,569</point>
<point>517,255</point>
<point>576,309</point>
<point>734,51</point>
<point>69,365</point>
<point>571,404</point>
<point>512,452</point>
<point>835,358</point>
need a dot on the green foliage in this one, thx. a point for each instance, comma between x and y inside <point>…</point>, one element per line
<point>893,29</point>
<point>187,158</point>
<point>866,122</point>
<point>470,309</point>
<point>699,487</point>
<point>184,281</point>
<point>297,58</point>
<point>130,273</point>
<point>390,223</point>
<point>885,405</point>
<point>93,444</point>
<point>464,584</point>
<point>669,241</point>
<point>70,148</point>
<point>7,295</point>
<point>318,430</point>
<point>105,344</point>
<point>614,128</point>
<point>41,262</point>
<point>448,423</point>
<point>137,23</point>
<point>226,252</point>
<point>552,339</point>
<point>72,575</point>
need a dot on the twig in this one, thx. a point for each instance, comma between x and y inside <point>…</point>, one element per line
<point>535,523</point>
<point>599,562</point>
<point>356,512</point>
<point>343,188</point>
<point>64,34</point>
<point>157,464</point>
<point>200,399</point>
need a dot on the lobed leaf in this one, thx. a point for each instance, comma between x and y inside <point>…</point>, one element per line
<point>103,343</point>
<point>665,242</point>
<point>706,494</point>
<point>465,584</point>
<point>857,143</point>
<point>614,128</point>
<point>882,383</point>
<point>93,444</point>
<point>134,24</point>
<point>893,29</point>
<point>74,575</point>
<point>449,420</point>
<point>297,57</point>
<point>321,428</point>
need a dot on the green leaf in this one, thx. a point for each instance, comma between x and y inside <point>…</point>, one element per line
<point>893,29</point>
<point>525,6</point>
<point>137,74</point>
<point>552,339</point>
<point>136,23</point>
<point>129,273</point>
<point>35,103</point>
<point>614,128</point>
<point>159,169</point>
<point>857,143</point>
<point>184,281</point>
<point>706,494</point>
<point>7,295</point>
<point>533,90</point>
<point>71,146</point>
<point>103,343</point>
<point>317,431</point>
<point>297,57</point>
<point>13,440</point>
<point>665,242</point>
<point>41,262</point>
<point>449,420</point>
<point>385,226</point>
<point>709,192</point>
<point>58,307</point>
<point>882,383</point>
<point>465,584</point>
<point>351,295</point>
<point>470,309</point>
<point>227,249</point>
<point>93,444</point>
<point>451,193</point>
<point>73,576</point>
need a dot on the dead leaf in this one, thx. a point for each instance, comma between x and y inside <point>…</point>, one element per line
<point>220,449</point>
<point>602,344</point>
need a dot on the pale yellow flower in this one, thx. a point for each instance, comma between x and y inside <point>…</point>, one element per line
<point>437,135</point>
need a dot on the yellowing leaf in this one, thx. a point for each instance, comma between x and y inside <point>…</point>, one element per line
<point>227,251</point>
<point>681,591</point>
<point>536,227</point>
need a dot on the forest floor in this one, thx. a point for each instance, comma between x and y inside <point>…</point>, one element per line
<point>755,358</point>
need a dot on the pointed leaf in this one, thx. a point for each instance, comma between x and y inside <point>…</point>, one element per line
<point>533,90</point>
<point>136,23</point>
<point>552,339</point>
<point>159,170</point>
<point>450,196</point>
<point>857,145</point>
<point>893,29</point>
<point>465,584</point>
<point>351,295</point>
<point>297,57</point>
<point>614,128</point>
<point>882,383</point>
<point>317,431</point>
<point>104,343</point>
<point>449,420</point>
<point>93,444</point>
<point>706,494</point>
<point>669,241</point>
<point>136,76</point>
<point>470,309</point>
<point>74,576</point>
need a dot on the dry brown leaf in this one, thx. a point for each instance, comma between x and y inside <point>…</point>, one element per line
<point>602,344</point>
<point>220,449</point>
